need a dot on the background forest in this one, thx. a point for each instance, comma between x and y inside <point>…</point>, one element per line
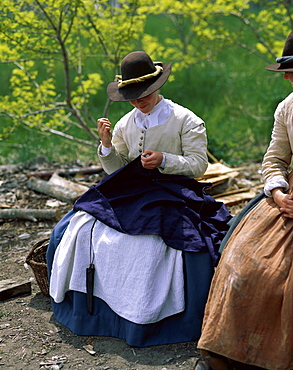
<point>58,56</point>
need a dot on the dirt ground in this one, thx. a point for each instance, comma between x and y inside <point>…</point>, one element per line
<point>30,337</point>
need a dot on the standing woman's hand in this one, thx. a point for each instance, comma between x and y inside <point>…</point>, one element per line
<point>104,130</point>
<point>284,201</point>
<point>287,207</point>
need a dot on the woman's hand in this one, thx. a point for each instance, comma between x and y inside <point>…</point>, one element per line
<point>104,130</point>
<point>151,159</point>
<point>284,201</point>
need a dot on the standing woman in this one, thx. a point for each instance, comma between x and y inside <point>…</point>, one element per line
<point>248,316</point>
<point>135,257</point>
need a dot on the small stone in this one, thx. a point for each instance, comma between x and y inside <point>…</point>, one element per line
<point>24,236</point>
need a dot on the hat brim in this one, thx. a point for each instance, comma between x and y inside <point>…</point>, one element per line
<point>279,68</point>
<point>138,90</point>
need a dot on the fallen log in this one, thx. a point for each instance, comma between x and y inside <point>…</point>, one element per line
<point>30,214</point>
<point>55,179</point>
<point>66,172</point>
<point>11,288</point>
<point>55,191</point>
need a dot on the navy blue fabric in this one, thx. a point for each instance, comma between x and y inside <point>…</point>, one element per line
<point>182,327</point>
<point>137,201</point>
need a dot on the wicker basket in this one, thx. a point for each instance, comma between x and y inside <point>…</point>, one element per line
<point>37,261</point>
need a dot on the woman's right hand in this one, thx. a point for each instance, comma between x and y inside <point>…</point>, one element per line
<point>104,130</point>
<point>284,201</point>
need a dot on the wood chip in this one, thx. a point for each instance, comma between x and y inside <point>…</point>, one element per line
<point>90,349</point>
<point>233,199</point>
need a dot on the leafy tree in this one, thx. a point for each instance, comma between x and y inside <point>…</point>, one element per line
<point>59,54</point>
<point>201,30</point>
<point>49,46</point>
<point>229,42</point>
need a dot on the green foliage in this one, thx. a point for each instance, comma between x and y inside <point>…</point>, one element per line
<point>50,45</point>
<point>57,56</point>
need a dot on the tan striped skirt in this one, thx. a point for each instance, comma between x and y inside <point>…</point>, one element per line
<point>249,313</point>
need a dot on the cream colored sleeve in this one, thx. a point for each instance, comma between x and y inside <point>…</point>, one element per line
<point>278,155</point>
<point>117,156</point>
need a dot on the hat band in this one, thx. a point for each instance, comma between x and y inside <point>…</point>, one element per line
<point>285,59</point>
<point>122,83</point>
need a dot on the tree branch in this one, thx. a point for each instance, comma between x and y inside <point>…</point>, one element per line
<point>70,137</point>
<point>254,31</point>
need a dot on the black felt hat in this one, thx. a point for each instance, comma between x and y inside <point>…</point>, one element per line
<point>140,77</point>
<point>285,62</point>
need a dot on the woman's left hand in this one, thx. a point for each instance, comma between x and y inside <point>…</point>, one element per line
<point>151,159</point>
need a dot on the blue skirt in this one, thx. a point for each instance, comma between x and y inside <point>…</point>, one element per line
<point>137,201</point>
<point>182,327</point>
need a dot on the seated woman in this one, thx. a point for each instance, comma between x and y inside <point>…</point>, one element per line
<point>248,316</point>
<point>135,257</point>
